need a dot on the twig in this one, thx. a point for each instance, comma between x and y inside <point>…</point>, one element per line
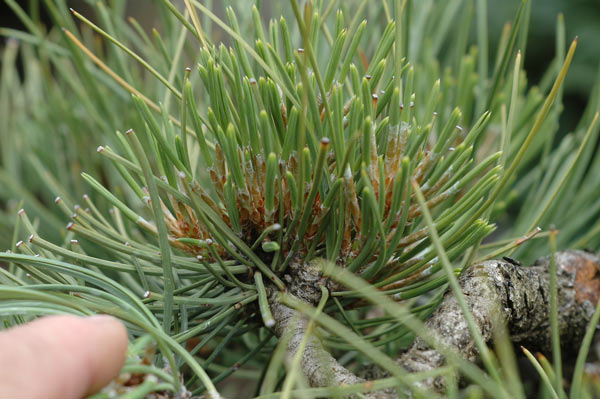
<point>318,366</point>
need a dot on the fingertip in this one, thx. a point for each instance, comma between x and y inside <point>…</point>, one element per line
<point>110,325</point>
<point>112,346</point>
<point>70,356</point>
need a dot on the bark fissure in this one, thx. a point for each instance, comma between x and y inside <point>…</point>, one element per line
<point>498,293</point>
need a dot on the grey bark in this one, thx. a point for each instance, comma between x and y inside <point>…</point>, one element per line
<point>318,366</point>
<point>498,293</point>
<point>518,298</point>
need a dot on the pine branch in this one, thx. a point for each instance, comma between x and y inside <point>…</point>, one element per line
<point>501,293</point>
<point>318,366</point>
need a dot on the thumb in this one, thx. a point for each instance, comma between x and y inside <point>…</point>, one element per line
<point>62,357</point>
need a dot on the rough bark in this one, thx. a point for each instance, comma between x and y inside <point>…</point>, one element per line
<point>318,366</point>
<point>497,292</point>
<point>518,297</point>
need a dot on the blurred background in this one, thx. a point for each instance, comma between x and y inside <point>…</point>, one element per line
<point>582,18</point>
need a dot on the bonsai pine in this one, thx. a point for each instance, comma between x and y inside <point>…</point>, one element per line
<point>299,192</point>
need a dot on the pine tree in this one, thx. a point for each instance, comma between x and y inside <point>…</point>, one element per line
<point>268,198</point>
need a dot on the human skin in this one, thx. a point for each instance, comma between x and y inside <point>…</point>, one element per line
<point>61,357</point>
